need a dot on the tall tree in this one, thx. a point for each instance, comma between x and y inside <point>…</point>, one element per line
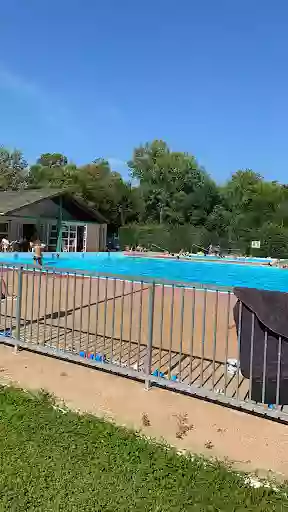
<point>52,170</point>
<point>13,169</point>
<point>52,160</point>
<point>175,188</point>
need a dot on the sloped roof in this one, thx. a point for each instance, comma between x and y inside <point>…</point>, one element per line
<point>12,201</point>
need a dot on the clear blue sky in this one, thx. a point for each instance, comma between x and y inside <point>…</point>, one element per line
<point>93,78</point>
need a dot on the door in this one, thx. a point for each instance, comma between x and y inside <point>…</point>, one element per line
<point>69,237</point>
<point>29,231</point>
<point>80,238</point>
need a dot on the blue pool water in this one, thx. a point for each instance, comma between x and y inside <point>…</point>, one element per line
<point>191,272</point>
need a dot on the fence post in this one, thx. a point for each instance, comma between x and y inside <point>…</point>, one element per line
<point>150,335</point>
<point>19,305</point>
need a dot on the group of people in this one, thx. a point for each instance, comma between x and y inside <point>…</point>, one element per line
<point>22,245</point>
<point>135,248</point>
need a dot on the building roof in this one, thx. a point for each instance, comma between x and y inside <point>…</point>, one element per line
<point>12,201</point>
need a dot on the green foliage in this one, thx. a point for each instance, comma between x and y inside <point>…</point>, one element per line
<point>94,182</point>
<point>172,191</point>
<point>274,241</point>
<point>12,169</point>
<point>169,237</point>
<point>53,460</point>
<point>175,188</point>
<point>52,160</point>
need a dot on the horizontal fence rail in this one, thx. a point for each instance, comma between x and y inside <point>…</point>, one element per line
<point>188,338</point>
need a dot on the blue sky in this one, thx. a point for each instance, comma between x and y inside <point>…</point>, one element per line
<point>91,78</point>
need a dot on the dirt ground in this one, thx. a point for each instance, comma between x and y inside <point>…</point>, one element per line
<point>251,443</point>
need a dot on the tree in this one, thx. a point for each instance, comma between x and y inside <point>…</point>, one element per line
<point>12,169</point>
<point>172,191</point>
<point>238,192</point>
<point>52,160</point>
<point>175,188</point>
<point>52,170</point>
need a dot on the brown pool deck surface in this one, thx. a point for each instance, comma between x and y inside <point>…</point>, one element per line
<point>76,314</point>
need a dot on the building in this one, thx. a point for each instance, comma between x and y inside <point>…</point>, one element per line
<point>60,220</point>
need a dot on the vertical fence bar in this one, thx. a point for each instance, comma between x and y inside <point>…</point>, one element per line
<point>192,336</point>
<point>181,332</point>
<point>6,298</point>
<point>278,371</point>
<point>264,367</point>
<point>66,313</point>
<point>45,305</point>
<point>32,306</point>
<point>52,306</point>
<point>215,338</point>
<point>39,303</point>
<point>12,299</point>
<point>121,320</point>
<point>150,335</point>
<point>73,311</point>
<point>227,341</point>
<point>89,315</point>
<point>26,303</point>
<point>96,317</point>
<point>161,326</point>
<point>171,331</point>
<point>19,303</point>
<point>203,336</point>
<point>130,322</point>
<point>60,277</point>
<point>113,320</point>
<point>3,292</point>
<point>238,348</point>
<point>105,314</point>
<point>81,312</point>
<point>139,327</point>
<point>251,357</point>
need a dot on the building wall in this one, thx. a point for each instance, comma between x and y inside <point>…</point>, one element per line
<point>96,237</point>
<point>45,208</point>
<point>46,212</point>
<point>12,227</point>
<point>36,214</point>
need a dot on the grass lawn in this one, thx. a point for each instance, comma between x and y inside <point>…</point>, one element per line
<point>50,461</point>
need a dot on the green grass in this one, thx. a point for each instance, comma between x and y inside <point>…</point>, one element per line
<point>50,461</point>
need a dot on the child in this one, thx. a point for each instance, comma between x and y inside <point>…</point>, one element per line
<point>38,252</point>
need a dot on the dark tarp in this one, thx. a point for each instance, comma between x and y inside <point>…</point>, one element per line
<point>270,311</point>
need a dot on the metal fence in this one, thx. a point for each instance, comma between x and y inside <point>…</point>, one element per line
<point>165,334</point>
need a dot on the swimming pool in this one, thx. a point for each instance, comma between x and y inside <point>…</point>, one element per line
<point>202,272</point>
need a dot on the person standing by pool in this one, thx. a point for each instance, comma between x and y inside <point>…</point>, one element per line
<point>5,244</point>
<point>38,252</point>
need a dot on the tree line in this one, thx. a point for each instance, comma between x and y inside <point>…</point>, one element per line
<point>166,188</point>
